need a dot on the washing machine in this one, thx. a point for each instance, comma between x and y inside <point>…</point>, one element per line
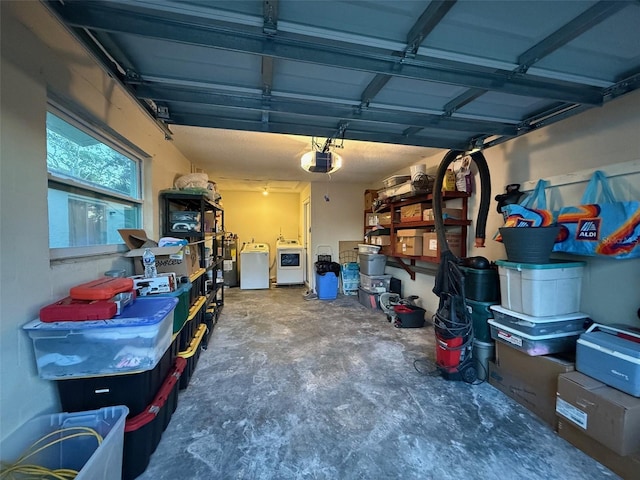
<point>290,262</point>
<point>254,266</point>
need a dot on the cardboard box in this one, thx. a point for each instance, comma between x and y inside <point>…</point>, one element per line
<point>430,244</point>
<point>412,213</point>
<point>409,246</point>
<point>380,240</point>
<point>453,213</point>
<point>530,381</point>
<point>628,467</point>
<point>369,197</point>
<point>384,218</point>
<point>181,260</point>
<point>409,241</point>
<point>374,219</point>
<point>607,415</point>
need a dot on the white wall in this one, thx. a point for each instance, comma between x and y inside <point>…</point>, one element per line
<point>263,218</point>
<point>593,139</point>
<point>336,219</point>
<point>29,68</point>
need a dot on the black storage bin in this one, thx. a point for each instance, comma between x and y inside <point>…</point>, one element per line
<point>135,391</point>
<point>481,285</point>
<point>192,355</point>
<point>409,316</point>
<point>142,433</point>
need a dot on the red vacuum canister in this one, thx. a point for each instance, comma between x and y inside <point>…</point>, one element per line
<point>448,352</point>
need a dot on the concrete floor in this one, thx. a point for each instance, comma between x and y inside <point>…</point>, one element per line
<point>314,389</point>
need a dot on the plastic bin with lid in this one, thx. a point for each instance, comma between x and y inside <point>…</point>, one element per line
<point>375,283</point>
<point>541,290</point>
<point>372,263</point>
<point>131,342</point>
<point>134,390</point>
<point>144,431</point>
<point>570,322</point>
<point>82,453</point>
<point>534,345</point>
<point>181,312</point>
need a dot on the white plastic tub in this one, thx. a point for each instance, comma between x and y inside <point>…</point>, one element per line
<point>131,342</point>
<point>81,453</point>
<point>541,290</point>
<point>534,345</point>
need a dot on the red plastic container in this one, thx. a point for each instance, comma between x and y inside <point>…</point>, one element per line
<point>101,289</point>
<point>71,310</point>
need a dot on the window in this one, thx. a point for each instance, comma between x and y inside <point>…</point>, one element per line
<point>94,188</point>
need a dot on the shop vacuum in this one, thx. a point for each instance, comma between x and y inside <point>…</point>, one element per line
<point>453,324</point>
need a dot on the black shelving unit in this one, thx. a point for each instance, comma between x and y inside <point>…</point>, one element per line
<point>196,218</point>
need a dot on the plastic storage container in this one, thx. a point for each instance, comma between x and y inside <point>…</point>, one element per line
<point>81,453</point>
<point>364,248</point>
<point>481,285</point>
<point>375,283</point>
<point>131,342</point>
<point>534,345</point>
<point>611,354</point>
<point>192,355</point>
<point>181,312</point>
<point>372,263</point>
<point>571,322</point>
<point>480,314</point>
<point>135,390</point>
<point>541,290</point>
<point>143,432</point>
<point>368,299</point>
<point>194,319</point>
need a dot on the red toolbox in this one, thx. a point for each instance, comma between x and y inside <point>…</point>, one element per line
<point>70,310</point>
<point>101,289</point>
<point>142,433</point>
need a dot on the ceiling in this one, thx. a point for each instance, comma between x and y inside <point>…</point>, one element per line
<point>242,86</point>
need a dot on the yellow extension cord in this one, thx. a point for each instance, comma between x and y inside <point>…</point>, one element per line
<point>22,471</point>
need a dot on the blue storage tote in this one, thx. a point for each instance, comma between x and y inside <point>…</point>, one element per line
<point>77,449</point>
<point>131,342</point>
<point>611,354</point>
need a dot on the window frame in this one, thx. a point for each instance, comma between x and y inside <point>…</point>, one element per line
<point>105,135</point>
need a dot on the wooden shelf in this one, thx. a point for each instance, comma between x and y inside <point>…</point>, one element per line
<point>407,262</point>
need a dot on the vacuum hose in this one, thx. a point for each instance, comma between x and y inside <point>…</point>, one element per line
<point>485,197</point>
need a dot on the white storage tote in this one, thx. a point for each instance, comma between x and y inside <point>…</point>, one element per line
<point>541,289</point>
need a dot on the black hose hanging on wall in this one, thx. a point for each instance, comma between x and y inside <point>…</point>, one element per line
<point>485,197</point>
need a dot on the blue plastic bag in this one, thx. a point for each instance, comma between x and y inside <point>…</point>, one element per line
<point>529,212</point>
<point>601,225</point>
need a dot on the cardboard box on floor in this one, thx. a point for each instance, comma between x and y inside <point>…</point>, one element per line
<point>181,260</point>
<point>530,381</point>
<point>628,467</point>
<point>609,416</point>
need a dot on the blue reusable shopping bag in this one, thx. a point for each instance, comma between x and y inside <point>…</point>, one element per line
<point>601,225</point>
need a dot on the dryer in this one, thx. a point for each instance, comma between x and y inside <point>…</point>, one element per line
<point>254,266</point>
<point>290,260</point>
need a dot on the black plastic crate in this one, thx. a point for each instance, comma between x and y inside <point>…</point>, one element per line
<point>142,433</point>
<point>135,390</point>
<point>192,355</point>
